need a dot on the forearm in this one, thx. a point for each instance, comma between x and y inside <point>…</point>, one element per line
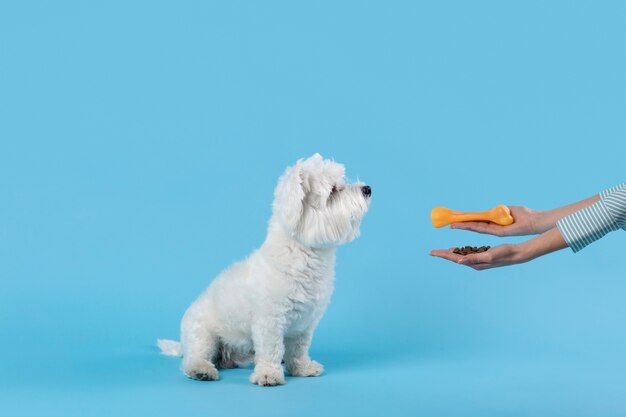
<point>546,220</point>
<point>545,243</point>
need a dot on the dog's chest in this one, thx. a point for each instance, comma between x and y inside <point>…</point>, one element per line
<point>309,294</point>
<point>306,305</point>
<point>301,282</point>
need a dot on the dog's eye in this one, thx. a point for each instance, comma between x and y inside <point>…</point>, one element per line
<point>334,190</point>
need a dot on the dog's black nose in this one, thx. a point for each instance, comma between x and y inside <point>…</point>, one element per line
<point>366,190</point>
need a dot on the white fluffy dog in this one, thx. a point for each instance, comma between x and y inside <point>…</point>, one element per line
<point>267,307</point>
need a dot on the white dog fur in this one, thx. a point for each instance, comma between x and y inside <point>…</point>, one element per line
<point>266,308</point>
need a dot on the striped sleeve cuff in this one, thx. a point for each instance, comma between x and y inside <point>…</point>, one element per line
<point>616,205</point>
<point>609,191</point>
<point>585,226</point>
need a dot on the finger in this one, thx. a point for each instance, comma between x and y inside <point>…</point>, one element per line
<point>478,227</point>
<point>475,259</point>
<point>446,254</point>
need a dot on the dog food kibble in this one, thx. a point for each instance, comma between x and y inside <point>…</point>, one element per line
<point>470,249</point>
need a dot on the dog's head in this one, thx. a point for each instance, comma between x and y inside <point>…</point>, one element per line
<point>314,204</point>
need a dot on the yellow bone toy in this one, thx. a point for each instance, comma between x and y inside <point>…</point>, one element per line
<point>441,216</point>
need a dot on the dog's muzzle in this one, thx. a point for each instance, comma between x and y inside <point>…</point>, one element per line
<point>366,190</point>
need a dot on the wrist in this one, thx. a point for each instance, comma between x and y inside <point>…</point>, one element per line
<point>521,252</point>
<point>542,221</point>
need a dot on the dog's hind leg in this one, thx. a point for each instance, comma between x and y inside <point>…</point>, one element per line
<point>200,347</point>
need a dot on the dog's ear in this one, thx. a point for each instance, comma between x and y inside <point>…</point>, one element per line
<point>289,196</point>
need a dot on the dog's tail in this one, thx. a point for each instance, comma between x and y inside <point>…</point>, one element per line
<point>169,347</point>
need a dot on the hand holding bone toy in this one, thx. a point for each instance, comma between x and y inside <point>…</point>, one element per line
<point>441,216</point>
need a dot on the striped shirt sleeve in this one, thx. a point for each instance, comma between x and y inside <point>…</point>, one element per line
<point>609,191</point>
<point>585,226</point>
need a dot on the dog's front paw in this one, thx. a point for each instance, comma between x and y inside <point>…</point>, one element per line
<point>202,371</point>
<point>309,368</point>
<point>267,376</point>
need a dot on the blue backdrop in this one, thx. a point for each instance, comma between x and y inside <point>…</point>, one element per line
<point>140,143</point>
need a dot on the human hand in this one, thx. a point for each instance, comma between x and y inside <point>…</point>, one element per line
<point>496,256</point>
<point>508,254</point>
<point>526,223</point>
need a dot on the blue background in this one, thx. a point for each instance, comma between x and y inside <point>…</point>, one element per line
<point>140,143</point>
